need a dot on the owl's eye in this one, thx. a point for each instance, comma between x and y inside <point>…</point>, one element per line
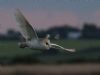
<point>47,43</point>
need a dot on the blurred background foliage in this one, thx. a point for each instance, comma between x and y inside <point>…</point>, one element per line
<point>89,31</point>
<point>86,41</point>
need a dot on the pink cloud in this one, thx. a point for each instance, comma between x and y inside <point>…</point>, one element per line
<point>41,19</point>
<point>7,21</point>
<point>48,19</point>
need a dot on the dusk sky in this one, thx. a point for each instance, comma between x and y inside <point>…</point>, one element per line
<point>43,14</point>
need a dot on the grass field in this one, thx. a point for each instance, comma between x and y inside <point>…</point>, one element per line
<point>11,48</point>
<point>53,62</point>
<point>86,50</point>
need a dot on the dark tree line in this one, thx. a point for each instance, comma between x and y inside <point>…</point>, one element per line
<point>61,30</point>
<point>10,35</point>
<point>89,31</point>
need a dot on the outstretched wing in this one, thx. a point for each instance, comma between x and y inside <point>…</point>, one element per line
<point>26,29</point>
<point>60,47</point>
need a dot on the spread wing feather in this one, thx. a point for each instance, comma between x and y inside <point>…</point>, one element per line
<point>26,29</point>
<point>60,47</point>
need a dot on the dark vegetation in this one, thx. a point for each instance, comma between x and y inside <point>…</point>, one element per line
<point>89,31</point>
<point>87,47</point>
<point>11,54</point>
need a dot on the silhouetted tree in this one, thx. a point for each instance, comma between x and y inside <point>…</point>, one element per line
<point>90,31</point>
<point>12,34</point>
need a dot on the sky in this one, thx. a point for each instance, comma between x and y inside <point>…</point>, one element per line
<point>43,14</point>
